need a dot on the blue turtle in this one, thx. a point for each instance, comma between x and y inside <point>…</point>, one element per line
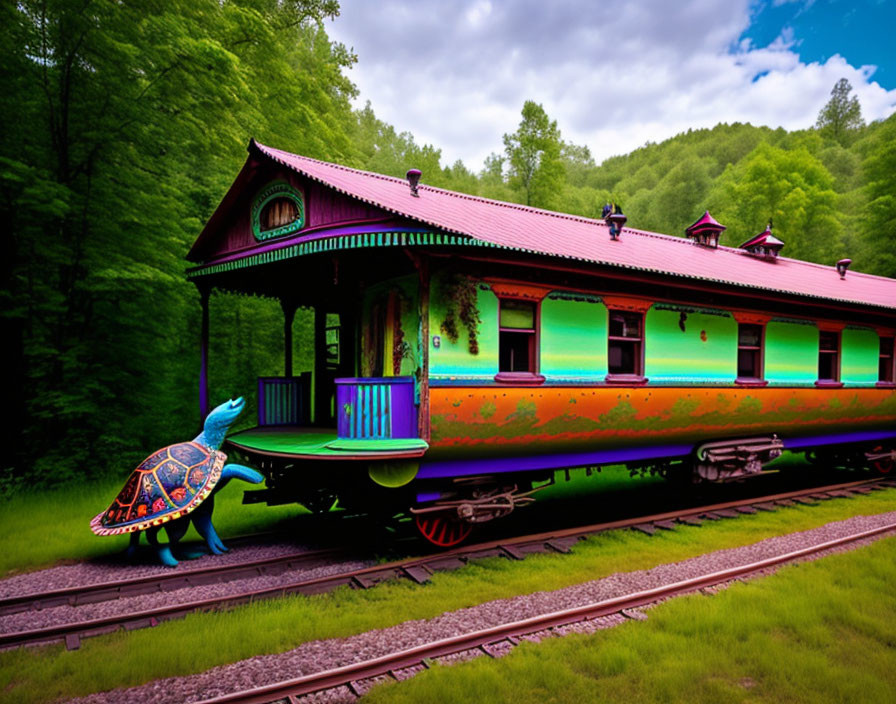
<point>177,485</point>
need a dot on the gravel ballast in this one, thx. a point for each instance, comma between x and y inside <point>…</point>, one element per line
<point>320,655</point>
<point>118,567</point>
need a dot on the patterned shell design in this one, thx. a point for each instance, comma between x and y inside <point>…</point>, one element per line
<point>166,485</point>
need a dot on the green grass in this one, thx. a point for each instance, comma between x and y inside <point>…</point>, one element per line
<point>182,647</point>
<point>820,632</point>
<point>50,527</point>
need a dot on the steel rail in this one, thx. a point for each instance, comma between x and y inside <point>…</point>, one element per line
<point>388,664</point>
<point>418,568</point>
<point>213,574</point>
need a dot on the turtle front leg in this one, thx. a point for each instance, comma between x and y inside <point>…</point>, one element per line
<point>202,519</point>
<point>163,551</point>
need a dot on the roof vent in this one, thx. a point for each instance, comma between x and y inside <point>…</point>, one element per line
<point>413,179</point>
<point>706,231</point>
<point>842,266</point>
<point>614,218</point>
<point>764,245</point>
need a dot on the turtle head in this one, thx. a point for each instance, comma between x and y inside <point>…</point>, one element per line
<point>218,421</point>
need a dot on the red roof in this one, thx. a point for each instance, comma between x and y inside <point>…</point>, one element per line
<point>574,237</point>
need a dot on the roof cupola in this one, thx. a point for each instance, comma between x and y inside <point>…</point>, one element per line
<point>764,245</point>
<point>705,231</point>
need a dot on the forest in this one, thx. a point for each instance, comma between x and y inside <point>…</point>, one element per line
<point>124,123</point>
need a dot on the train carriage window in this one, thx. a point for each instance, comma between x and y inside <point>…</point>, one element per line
<point>886,365</point>
<point>829,356</point>
<point>516,343</point>
<point>749,351</point>
<point>625,343</point>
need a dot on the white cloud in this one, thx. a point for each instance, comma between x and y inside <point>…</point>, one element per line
<point>614,74</point>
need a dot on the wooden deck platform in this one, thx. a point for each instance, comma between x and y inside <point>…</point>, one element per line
<point>321,443</point>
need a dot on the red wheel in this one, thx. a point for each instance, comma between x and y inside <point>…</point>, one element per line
<point>882,466</point>
<point>443,530</point>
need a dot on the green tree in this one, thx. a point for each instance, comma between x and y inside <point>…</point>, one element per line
<point>386,151</point>
<point>679,198</point>
<point>533,157</point>
<point>791,187</point>
<point>880,219</point>
<point>123,123</point>
<point>578,163</point>
<point>841,117</point>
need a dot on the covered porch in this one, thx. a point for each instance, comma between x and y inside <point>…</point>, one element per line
<point>363,397</point>
<point>375,417</point>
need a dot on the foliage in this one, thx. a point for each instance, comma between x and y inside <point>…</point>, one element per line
<point>816,632</point>
<point>179,647</point>
<point>37,535</point>
<point>461,296</point>
<point>791,188</point>
<point>533,157</point>
<point>841,116</point>
<point>880,175</point>
<point>124,122</point>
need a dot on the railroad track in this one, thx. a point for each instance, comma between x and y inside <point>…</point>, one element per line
<point>510,633</point>
<point>120,589</point>
<point>418,569</point>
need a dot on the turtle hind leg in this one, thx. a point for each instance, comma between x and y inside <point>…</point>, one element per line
<point>131,552</point>
<point>163,551</point>
<point>176,530</point>
<point>202,519</point>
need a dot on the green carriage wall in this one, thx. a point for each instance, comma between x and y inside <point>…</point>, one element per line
<point>573,344</point>
<point>860,355</point>
<point>791,353</point>
<point>453,359</point>
<point>573,337</point>
<point>704,352</point>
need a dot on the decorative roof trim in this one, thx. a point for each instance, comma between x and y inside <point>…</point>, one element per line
<point>339,243</point>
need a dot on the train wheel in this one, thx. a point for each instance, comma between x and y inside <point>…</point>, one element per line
<point>444,531</point>
<point>882,466</point>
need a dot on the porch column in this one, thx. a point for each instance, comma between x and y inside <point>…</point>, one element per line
<point>204,293</point>
<point>423,421</point>
<point>321,390</point>
<point>289,314</point>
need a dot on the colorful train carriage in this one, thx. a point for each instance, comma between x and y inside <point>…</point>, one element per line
<point>466,349</point>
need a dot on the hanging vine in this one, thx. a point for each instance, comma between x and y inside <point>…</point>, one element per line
<point>401,348</point>
<point>461,299</point>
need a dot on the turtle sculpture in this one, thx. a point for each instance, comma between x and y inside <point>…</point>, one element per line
<point>177,485</point>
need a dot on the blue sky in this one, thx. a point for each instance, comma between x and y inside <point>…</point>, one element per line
<point>859,30</point>
<point>614,74</point>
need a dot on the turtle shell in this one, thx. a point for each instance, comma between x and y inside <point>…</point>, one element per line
<point>167,485</point>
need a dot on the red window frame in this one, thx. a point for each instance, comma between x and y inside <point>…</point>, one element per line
<point>829,348</point>
<point>506,334</point>
<point>886,367</point>
<point>621,342</point>
<point>757,352</point>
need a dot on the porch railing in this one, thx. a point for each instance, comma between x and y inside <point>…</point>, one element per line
<point>376,408</point>
<point>284,400</point>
